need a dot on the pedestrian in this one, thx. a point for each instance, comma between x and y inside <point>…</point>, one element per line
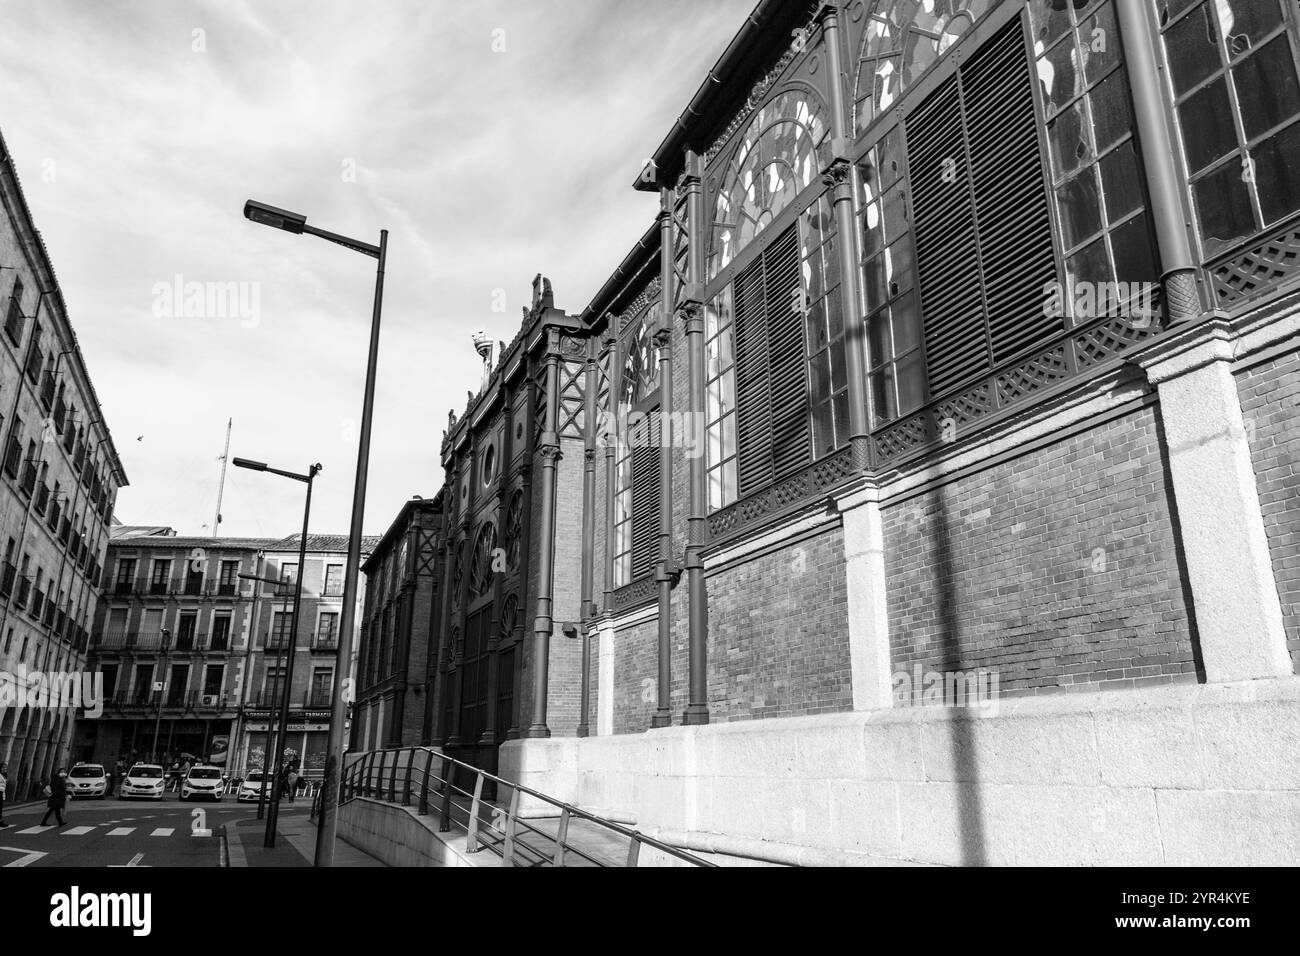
<point>4,783</point>
<point>56,793</point>
<point>293,783</point>
<point>119,771</point>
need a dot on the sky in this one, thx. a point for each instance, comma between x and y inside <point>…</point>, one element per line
<point>494,140</point>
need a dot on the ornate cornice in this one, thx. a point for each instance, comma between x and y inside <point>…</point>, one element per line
<point>758,94</point>
<point>641,303</point>
<point>837,174</point>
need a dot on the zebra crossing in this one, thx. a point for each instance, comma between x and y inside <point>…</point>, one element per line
<point>87,830</point>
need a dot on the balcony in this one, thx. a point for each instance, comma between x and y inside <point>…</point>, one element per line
<point>133,641</point>
<point>7,579</point>
<point>227,590</point>
<point>50,612</point>
<point>47,389</point>
<point>123,587</point>
<point>198,700</point>
<point>193,585</point>
<point>29,479</point>
<point>42,501</point>
<point>24,589</point>
<point>158,587</point>
<point>325,642</point>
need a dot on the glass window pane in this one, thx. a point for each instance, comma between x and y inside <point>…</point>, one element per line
<point>729,481</point>
<point>1192,46</point>
<point>841,406</point>
<point>1245,22</point>
<point>873,229</point>
<point>878,349</point>
<point>1070,144</point>
<point>1135,258</point>
<point>1049,19</point>
<point>895,213</point>
<point>906,325</point>
<point>1223,207</point>
<point>715,444</point>
<point>715,490</point>
<point>889,155</point>
<point>816,324</point>
<point>1058,74</point>
<point>901,274</point>
<point>1112,114</point>
<point>1169,9</point>
<point>830,265</point>
<point>882,393</point>
<point>1208,131</point>
<point>1267,88</point>
<point>911,383</point>
<point>875,290</point>
<point>1090,264</point>
<point>729,437</point>
<point>1277,173</point>
<point>1121,182</point>
<point>823,429</point>
<point>1099,40</point>
<point>834,316</point>
<point>819,374</point>
<point>1080,207</point>
<point>838,377</point>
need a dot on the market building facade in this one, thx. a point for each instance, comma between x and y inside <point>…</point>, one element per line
<point>959,368</point>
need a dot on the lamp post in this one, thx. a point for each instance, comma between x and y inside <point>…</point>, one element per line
<point>273,814</point>
<point>165,635</point>
<point>297,224</point>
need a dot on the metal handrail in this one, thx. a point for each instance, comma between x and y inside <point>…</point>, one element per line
<point>371,774</point>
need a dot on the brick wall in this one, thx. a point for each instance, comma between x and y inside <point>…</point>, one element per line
<point>635,669</point>
<point>1059,569</point>
<point>1270,404</point>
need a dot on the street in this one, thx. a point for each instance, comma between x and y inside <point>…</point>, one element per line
<point>115,832</point>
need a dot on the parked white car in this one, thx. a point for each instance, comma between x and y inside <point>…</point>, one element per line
<point>203,782</point>
<point>87,780</point>
<point>250,788</point>
<point>143,781</point>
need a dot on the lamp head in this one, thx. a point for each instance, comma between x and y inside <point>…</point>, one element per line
<point>274,217</point>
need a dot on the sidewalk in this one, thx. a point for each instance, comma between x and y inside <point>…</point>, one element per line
<point>295,844</point>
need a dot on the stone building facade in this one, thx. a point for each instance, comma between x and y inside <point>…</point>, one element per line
<point>958,368</point>
<point>58,484</point>
<point>399,629</point>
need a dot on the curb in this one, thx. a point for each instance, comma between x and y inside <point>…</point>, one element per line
<point>233,855</point>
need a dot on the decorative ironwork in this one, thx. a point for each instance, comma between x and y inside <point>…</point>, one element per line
<point>514,530</point>
<point>804,486</point>
<point>649,295</point>
<point>758,93</point>
<point>1051,366</point>
<point>641,591</point>
<point>480,573</point>
<point>509,616</point>
<point>1266,264</point>
<point>1108,339</point>
<point>573,380</point>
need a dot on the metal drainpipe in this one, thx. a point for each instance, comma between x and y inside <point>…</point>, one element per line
<point>692,316</point>
<point>544,624</point>
<point>505,456</point>
<point>591,384</point>
<point>838,177</point>
<point>664,568</point>
<point>613,435</point>
<point>1165,184</point>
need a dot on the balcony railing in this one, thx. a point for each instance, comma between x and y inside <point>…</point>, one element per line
<point>319,699</point>
<point>193,585</point>
<point>24,590</point>
<point>123,587</point>
<point>42,499</point>
<point>29,479</point>
<point>7,579</point>
<point>325,642</point>
<point>158,587</point>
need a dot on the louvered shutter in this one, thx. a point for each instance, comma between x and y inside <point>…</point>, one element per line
<point>645,502</point>
<point>983,230</point>
<point>773,433</point>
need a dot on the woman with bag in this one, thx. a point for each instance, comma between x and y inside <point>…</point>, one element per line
<point>56,793</point>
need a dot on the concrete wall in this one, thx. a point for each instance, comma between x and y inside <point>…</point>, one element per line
<point>1169,775</point>
<point>398,836</point>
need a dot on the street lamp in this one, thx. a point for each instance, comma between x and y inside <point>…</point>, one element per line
<point>273,815</point>
<point>292,222</point>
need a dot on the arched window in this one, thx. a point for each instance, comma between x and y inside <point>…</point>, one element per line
<point>779,155</point>
<point>480,572</point>
<point>903,39</point>
<point>641,366</point>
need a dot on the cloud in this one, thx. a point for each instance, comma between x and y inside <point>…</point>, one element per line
<point>139,129</point>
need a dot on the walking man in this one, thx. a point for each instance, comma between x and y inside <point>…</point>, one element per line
<point>293,783</point>
<point>56,797</point>
<point>4,783</point>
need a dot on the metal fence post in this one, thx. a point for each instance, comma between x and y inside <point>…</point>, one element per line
<point>471,841</point>
<point>410,766</point>
<point>368,788</point>
<point>445,824</point>
<point>560,837</point>
<point>392,777</point>
<point>424,789</point>
<point>508,850</point>
<point>634,851</point>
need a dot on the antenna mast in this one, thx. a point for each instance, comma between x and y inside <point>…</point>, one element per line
<point>221,488</point>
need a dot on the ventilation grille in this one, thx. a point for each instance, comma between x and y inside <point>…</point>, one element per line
<point>983,229</point>
<point>772,429</point>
